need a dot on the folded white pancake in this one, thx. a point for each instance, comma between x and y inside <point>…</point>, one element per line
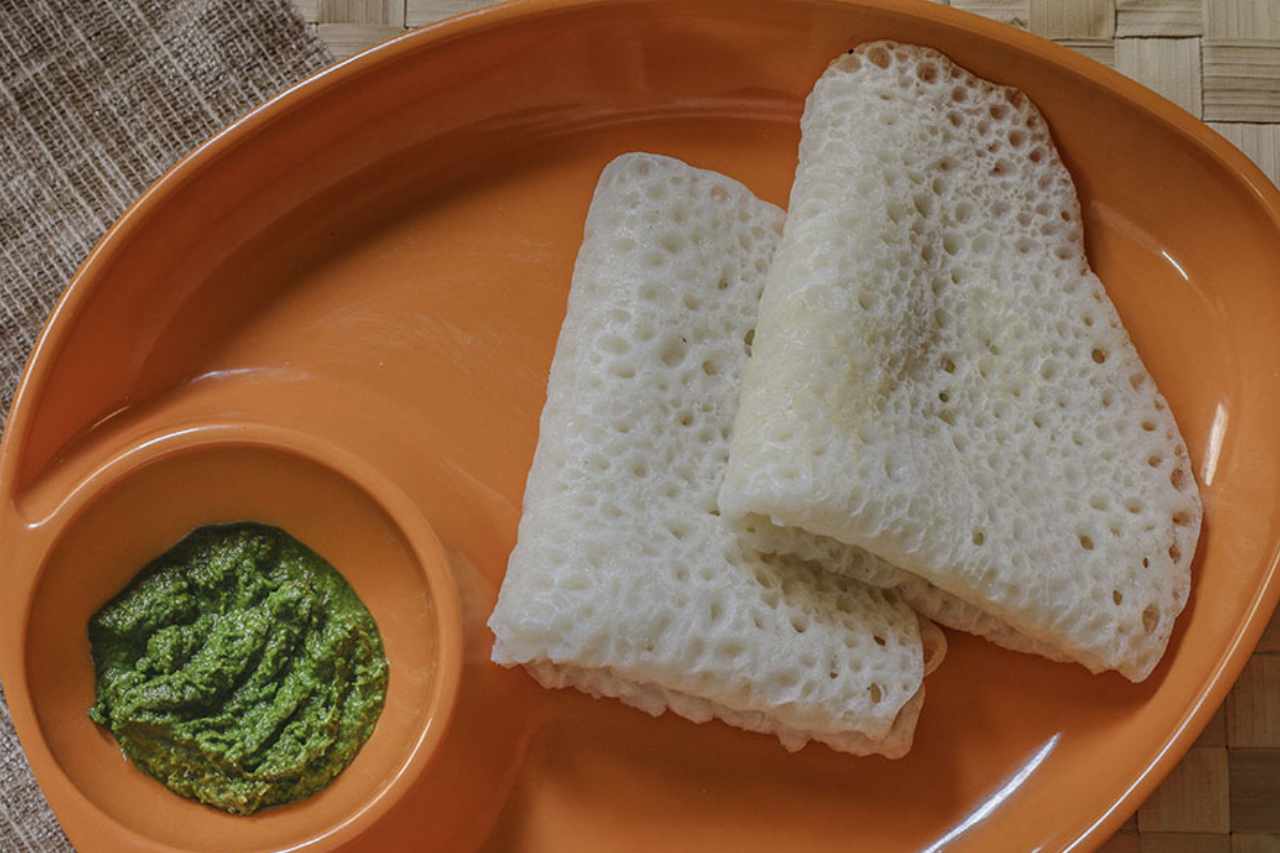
<point>625,580</point>
<point>940,378</point>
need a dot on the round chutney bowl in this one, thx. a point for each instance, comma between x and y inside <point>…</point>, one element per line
<point>137,506</point>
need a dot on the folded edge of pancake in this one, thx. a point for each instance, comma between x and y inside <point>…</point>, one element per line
<point>939,377</point>
<point>625,580</point>
<point>924,598</point>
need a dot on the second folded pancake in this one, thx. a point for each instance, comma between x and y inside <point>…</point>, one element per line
<point>940,378</point>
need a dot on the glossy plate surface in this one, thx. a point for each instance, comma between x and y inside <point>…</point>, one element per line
<point>379,260</point>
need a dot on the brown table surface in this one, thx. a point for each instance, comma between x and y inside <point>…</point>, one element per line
<point>1219,60</point>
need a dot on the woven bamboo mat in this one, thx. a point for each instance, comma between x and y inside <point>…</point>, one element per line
<point>1219,60</point>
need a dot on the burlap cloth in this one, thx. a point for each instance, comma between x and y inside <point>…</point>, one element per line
<point>97,99</point>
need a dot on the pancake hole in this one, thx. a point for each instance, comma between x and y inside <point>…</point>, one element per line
<point>616,345</point>
<point>1136,380</point>
<point>876,694</point>
<point>1117,596</point>
<point>673,352</point>
<point>748,339</point>
<point>1099,355</point>
<point>1181,519</point>
<point>1146,563</point>
<point>879,57</point>
<point>979,537</point>
<point>928,72</point>
<point>1150,618</point>
<point>672,243</point>
<point>1154,460</point>
<point>880,641</point>
<point>1148,426</point>
<point>1036,155</point>
<point>1177,478</point>
<point>1086,541</point>
<point>1175,553</point>
<point>1016,138</point>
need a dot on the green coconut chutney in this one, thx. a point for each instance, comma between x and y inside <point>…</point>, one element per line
<point>238,668</point>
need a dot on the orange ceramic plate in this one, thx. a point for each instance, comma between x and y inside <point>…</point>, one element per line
<point>340,315</point>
